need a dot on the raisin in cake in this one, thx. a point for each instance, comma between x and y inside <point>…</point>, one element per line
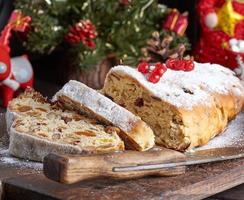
<point>40,128</point>
<point>185,109</point>
<point>135,132</point>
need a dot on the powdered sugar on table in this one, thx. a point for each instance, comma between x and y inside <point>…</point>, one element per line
<point>233,136</point>
<point>7,159</point>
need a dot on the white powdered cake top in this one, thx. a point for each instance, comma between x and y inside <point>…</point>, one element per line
<point>186,89</point>
<point>98,104</point>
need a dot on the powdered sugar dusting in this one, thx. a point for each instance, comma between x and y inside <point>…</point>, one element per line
<point>98,104</point>
<point>233,136</point>
<point>187,89</point>
<point>6,158</point>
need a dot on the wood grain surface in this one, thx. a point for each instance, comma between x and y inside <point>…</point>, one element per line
<point>74,168</point>
<point>199,182</point>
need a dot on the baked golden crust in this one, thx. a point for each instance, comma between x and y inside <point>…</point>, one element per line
<point>177,127</point>
<point>136,133</point>
<point>27,146</point>
<point>38,127</point>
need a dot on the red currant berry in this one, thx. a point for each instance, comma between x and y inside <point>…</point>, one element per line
<point>143,67</point>
<point>189,65</point>
<point>175,64</point>
<point>160,69</point>
<point>158,65</point>
<point>170,63</point>
<point>153,78</point>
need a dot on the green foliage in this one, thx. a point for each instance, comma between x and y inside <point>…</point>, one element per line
<point>177,39</point>
<point>122,29</point>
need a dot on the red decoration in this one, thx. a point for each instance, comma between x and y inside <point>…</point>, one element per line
<point>221,21</point>
<point>153,73</point>
<point>4,39</point>
<point>157,72</point>
<point>125,2</point>
<point>143,67</point>
<point>154,78</point>
<point>83,31</point>
<point>159,69</point>
<point>16,73</point>
<point>179,64</point>
<point>19,22</point>
<point>176,22</point>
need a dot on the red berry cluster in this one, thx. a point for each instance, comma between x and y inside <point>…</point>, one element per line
<point>154,73</point>
<point>83,31</point>
<point>177,64</point>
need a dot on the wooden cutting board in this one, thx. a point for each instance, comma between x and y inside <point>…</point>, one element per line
<point>198,181</point>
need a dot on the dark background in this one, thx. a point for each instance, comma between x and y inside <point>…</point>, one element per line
<point>51,68</point>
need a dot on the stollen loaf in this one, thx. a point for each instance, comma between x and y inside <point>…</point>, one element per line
<point>185,109</point>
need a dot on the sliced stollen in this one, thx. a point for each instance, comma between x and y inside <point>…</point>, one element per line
<point>34,138</point>
<point>29,102</point>
<point>37,132</point>
<point>135,132</point>
<point>184,109</point>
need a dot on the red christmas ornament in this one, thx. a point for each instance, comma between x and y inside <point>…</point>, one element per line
<point>83,31</point>
<point>17,72</point>
<point>176,22</point>
<point>177,64</point>
<point>18,21</point>
<point>221,21</point>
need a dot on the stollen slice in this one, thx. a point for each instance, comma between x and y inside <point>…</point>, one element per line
<point>135,132</point>
<point>30,102</point>
<point>40,128</point>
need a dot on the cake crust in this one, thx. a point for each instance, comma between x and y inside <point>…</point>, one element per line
<point>38,128</point>
<point>197,111</point>
<point>136,133</point>
<point>29,147</point>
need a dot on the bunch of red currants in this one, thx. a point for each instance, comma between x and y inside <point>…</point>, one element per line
<point>155,72</point>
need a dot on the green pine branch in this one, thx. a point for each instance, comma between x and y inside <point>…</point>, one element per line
<point>122,30</point>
